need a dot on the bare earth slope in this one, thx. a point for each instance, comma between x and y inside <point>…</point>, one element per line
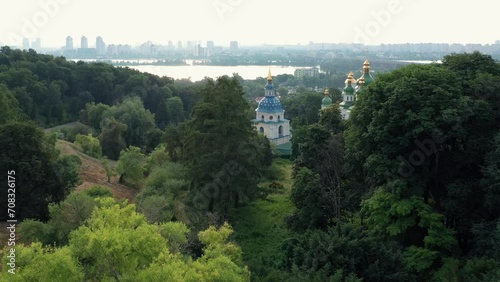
<point>92,173</point>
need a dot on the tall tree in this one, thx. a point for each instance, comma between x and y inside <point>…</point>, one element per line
<point>221,148</point>
<point>33,159</point>
<point>130,166</point>
<point>9,106</point>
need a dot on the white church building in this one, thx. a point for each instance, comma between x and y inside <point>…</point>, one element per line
<point>270,116</point>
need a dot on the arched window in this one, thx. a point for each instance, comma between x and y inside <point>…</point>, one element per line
<point>262,117</point>
<point>279,117</point>
<point>280,131</point>
<point>270,117</point>
<point>261,129</point>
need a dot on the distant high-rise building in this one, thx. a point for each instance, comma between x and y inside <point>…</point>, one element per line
<point>69,42</point>
<point>199,51</point>
<point>26,43</point>
<point>179,44</point>
<point>170,44</point>
<point>112,49</point>
<point>233,45</point>
<point>306,72</point>
<point>190,44</point>
<point>100,46</point>
<point>84,43</point>
<point>37,44</point>
<point>210,48</point>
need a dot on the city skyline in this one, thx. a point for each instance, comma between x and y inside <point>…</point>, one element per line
<point>248,22</point>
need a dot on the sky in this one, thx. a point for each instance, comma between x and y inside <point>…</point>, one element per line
<point>250,22</point>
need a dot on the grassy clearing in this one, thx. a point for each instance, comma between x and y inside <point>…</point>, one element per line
<point>260,228</point>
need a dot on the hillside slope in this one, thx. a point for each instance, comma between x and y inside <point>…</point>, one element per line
<point>92,173</point>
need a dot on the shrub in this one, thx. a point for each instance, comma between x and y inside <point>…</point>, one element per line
<point>99,192</point>
<point>89,145</point>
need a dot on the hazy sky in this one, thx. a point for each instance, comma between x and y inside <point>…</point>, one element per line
<point>250,22</point>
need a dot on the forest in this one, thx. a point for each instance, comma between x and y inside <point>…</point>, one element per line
<point>406,189</point>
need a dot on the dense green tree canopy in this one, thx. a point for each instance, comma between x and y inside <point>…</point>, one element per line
<point>423,137</point>
<point>220,148</point>
<point>116,243</point>
<point>32,156</point>
<point>9,106</point>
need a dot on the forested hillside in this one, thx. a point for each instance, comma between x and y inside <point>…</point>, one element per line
<point>407,189</point>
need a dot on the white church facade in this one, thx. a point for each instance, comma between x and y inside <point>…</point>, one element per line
<point>270,116</point>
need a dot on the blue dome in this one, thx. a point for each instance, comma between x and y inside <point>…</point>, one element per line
<point>270,104</point>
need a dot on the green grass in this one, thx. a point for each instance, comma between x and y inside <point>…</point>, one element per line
<point>260,228</point>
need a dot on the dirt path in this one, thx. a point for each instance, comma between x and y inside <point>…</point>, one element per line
<point>93,173</point>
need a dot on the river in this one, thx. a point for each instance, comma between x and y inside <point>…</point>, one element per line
<point>198,72</point>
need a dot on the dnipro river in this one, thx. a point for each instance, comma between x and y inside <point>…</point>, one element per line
<point>198,72</point>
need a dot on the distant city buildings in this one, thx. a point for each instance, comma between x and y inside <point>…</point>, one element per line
<point>37,44</point>
<point>199,51</point>
<point>26,44</point>
<point>306,72</point>
<point>100,46</point>
<point>69,43</point>
<point>233,45</point>
<point>190,45</point>
<point>196,49</point>
<point>210,45</point>
<point>210,48</point>
<point>84,43</point>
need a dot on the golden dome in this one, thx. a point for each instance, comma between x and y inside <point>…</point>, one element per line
<point>366,66</point>
<point>350,79</point>
<point>327,92</point>
<point>361,81</point>
<point>269,77</point>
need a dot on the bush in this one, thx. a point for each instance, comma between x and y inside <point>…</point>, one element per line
<point>276,186</point>
<point>69,134</point>
<point>89,145</point>
<point>99,192</point>
<point>34,231</point>
<point>68,170</point>
<point>64,218</point>
<point>156,208</point>
<point>275,172</point>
